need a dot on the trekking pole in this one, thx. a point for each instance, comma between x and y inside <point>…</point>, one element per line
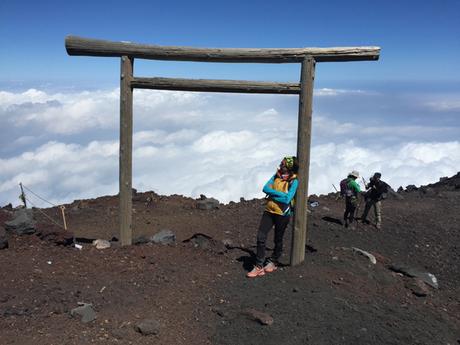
<point>338,196</point>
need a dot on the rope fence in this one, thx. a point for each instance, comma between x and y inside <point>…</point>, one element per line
<point>25,198</point>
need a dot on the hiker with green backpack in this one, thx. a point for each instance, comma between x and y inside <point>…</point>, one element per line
<point>280,191</point>
<point>350,189</point>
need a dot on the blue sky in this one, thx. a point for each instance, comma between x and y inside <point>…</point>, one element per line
<point>400,114</point>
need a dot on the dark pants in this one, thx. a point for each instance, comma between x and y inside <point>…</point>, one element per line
<point>266,223</point>
<point>350,208</point>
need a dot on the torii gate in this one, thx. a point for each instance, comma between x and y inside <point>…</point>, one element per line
<point>306,56</point>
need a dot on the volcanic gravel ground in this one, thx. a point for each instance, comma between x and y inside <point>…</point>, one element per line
<point>197,290</point>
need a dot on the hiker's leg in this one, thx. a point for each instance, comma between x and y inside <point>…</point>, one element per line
<point>347,210</point>
<point>378,212</point>
<point>366,210</point>
<point>266,224</point>
<point>353,205</point>
<point>281,223</point>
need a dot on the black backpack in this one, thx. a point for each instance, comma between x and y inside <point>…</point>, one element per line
<point>344,189</point>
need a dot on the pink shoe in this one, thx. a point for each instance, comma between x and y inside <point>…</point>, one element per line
<point>256,272</point>
<point>270,267</point>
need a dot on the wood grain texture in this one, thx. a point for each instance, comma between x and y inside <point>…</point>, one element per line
<point>206,85</point>
<point>94,47</point>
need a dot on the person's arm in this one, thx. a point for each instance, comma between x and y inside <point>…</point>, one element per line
<point>270,191</point>
<point>287,197</point>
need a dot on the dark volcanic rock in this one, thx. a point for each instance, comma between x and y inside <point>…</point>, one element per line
<point>148,327</point>
<point>22,222</point>
<point>207,204</point>
<point>85,312</point>
<point>164,237</point>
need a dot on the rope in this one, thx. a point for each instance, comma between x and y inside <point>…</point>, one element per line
<point>51,219</point>
<point>40,197</point>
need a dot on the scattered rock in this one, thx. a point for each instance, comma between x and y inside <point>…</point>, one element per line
<point>148,327</point>
<point>85,311</point>
<point>101,244</point>
<point>8,207</point>
<point>411,188</point>
<point>228,243</point>
<point>22,223</point>
<point>418,287</point>
<point>141,240</point>
<point>367,254</point>
<point>426,277</point>
<point>255,315</point>
<point>201,241</point>
<point>119,333</point>
<point>3,238</point>
<point>164,237</point>
<point>206,242</point>
<point>207,203</point>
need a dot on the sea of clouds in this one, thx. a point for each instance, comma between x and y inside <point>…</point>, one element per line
<point>64,146</point>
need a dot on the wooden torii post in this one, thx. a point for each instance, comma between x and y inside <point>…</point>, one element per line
<point>128,51</point>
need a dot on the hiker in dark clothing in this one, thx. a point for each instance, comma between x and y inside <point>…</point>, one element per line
<point>350,189</point>
<point>376,192</point>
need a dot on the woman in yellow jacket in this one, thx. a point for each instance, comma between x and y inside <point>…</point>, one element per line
<point>280,190</point>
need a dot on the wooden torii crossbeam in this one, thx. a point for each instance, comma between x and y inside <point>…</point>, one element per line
<point>128,51</point>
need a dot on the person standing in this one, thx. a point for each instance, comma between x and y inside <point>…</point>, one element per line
<point>280,191</point>
<point>376,192</point>
<point>350,189</point>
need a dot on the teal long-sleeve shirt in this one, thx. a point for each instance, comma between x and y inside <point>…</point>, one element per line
<point>278,196</point>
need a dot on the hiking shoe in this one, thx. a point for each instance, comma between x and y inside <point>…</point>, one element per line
<point>378,226</point>
<point>256,272</point>
<point>270,267</point>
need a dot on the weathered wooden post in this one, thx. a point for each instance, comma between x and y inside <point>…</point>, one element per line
<point>299,234</point>
<point>126,148</point>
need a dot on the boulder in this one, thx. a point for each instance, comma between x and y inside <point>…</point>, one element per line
<point>148,327</point>
<point>207,204</point>
<point>426,277</point>
<point>165,236</point>
<point>85,311</point>
<point>411,188</point>
<point>101,244</point>
<point>22,223</point>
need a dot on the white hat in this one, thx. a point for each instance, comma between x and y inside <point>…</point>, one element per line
<point>354,173</point>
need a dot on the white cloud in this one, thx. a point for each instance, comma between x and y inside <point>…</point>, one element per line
<point>337,92</point>
<point>224,146</point>
<point>445,105</point>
